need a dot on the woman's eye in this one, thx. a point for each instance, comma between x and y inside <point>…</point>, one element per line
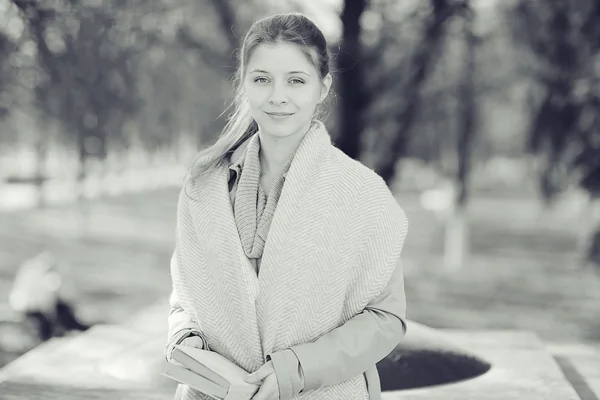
<point>265,80</point>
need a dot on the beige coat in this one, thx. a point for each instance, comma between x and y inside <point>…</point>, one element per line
<point>333,357</point>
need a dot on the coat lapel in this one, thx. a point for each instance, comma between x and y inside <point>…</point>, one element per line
<point>221,198</point>
<point>220,280</point>
<point>214,219</point>
<point>304,165</point>
<point>289,236</point>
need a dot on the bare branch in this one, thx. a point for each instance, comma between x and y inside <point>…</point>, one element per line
<point>210,55</point>
<point>420,63</point>
<point>228,21</point>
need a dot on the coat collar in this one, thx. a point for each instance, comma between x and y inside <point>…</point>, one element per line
<point>237,158</point>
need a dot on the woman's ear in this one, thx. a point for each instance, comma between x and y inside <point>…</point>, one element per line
<point>326,86</point>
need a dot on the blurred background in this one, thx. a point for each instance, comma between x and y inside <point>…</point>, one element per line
<point>483,117</point>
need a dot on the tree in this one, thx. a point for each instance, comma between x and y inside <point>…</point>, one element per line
<point>6,48</point>
<point>351,82</point>
<point>88,83</point>
<point>9,82</point>
<point>419,65</point>
<point>457,238</point>
<point>216,48</point>
<point>562,39</point>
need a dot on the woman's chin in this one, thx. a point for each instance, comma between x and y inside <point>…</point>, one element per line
<point>283,128</point>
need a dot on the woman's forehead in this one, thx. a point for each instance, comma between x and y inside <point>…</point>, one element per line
<point>279,58</point>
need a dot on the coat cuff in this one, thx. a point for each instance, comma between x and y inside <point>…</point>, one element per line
<point>310,364</point>
<point>179,337</point>
<point>288,372</point>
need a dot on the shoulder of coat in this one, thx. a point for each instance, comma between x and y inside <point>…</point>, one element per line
<point>354,170</point>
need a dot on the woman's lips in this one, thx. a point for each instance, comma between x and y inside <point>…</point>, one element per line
<point>279,115</point>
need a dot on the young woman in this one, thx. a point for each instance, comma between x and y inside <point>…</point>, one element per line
<point>287,257</point>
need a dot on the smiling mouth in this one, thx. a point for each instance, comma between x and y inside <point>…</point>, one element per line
<point>279,114</point>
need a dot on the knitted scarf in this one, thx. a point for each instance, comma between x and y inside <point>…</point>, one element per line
<point>253,210</point>
<point>334,241</point>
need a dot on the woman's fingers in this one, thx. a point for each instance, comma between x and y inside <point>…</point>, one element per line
<point>193,341</point>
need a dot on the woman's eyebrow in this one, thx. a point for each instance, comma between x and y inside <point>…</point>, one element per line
<point>299,72</point>
<point>262,71</point>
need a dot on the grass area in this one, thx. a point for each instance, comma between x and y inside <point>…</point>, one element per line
<point>523,272</point>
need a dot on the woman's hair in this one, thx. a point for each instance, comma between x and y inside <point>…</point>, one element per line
<point>280,28</point>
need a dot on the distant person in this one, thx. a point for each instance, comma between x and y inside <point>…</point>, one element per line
<point>287,256</point>
<point>36,295</point>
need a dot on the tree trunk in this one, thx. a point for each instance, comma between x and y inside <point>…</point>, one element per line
<point>589,239</point>
<point>41,149</point>
<point>351,80</point>
<point>456,245</point>
<point>84,219</point>
<point>456,239</point>
<point>420,65</point>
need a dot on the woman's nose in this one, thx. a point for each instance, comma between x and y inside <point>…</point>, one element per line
<point>278,94</point>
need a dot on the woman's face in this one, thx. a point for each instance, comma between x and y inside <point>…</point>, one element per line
<point>283,89</point>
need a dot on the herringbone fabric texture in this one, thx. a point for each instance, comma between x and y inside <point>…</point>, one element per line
<point>334,241</point>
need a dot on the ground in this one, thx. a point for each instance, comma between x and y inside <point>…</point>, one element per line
<point>524,270</point>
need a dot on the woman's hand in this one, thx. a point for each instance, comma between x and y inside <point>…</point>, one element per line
<point>193,341</point>
<point>269,389</point>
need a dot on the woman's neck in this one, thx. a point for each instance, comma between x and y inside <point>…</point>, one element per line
<point>276,151</point>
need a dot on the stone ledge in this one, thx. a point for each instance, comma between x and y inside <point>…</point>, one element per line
<point>107,362</point>
<point>125,362</point>
<point>106,356</point>
<point>521,369</point>
<point>581,364</point>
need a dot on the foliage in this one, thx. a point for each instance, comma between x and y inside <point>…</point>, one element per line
<point>6,48</point>
<point>561,45</point>
<point>87,68</point>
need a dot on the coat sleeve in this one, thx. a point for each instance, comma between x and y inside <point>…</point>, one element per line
<point>348,350</point>
<point>180,324</point>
